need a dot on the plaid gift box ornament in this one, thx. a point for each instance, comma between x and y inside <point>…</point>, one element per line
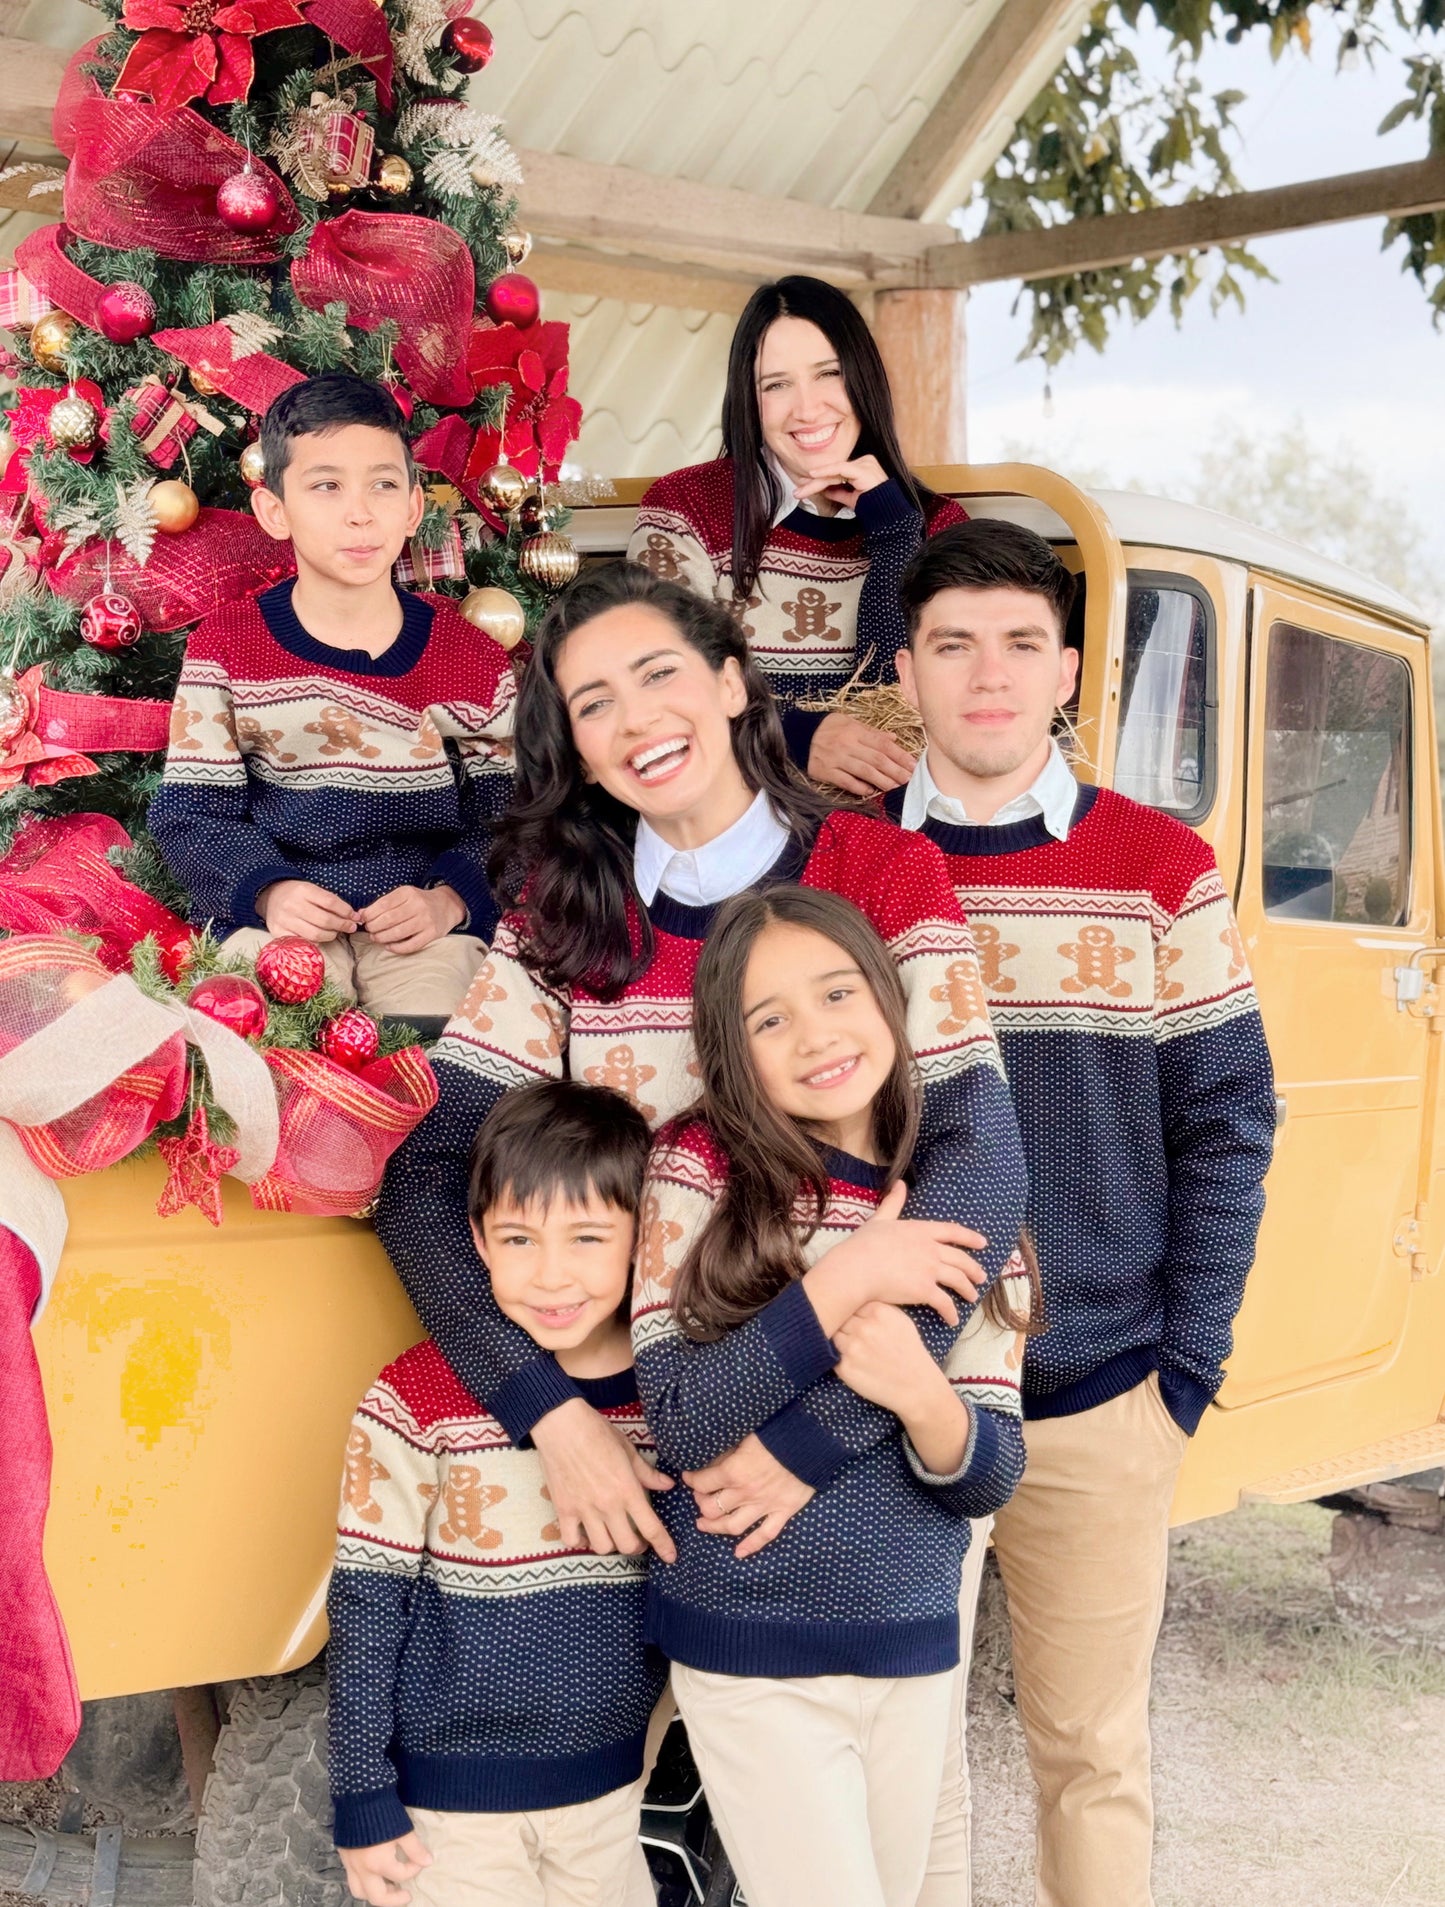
<point>419,565</point>
<point>334,147</point>
<point>21,303</point>
<point>163,421</point>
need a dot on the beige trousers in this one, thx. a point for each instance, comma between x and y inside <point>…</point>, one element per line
<point>1083,1549</point>
<point>583,1856</point>
<point>948,1881</point>
<point>429,983</point>
<point>822,1786</point>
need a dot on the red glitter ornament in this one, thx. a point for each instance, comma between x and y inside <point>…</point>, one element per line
<point>513,299</point>
<point>291,970</point>
<point>248,201</point>
<point>111,621</point>
<point>405,402</point>
<point>176,957</point>
<point>468,44</point>
<point>197,1165</point>
<point>350,1040</point>
<point>231,1000</point>
<point>125,312</point>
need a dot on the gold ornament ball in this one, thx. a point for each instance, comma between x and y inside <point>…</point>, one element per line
<point>498,612</point>
<point>202,385</point>
<point>15,710</point>
<point>338,187</point>
<point>50,339</point>
<point>74,423</point>
<point>549,559</point>
<point>253,466</point>
<point>393,177</point>
<point>517,246</point>
<point>175,504</point>
<point>503,487</point>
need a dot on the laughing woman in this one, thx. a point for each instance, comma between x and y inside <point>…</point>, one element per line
<point>652,783</point>
<point>806,521</point>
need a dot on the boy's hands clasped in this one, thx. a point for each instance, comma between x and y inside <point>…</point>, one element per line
<point>404,921</point>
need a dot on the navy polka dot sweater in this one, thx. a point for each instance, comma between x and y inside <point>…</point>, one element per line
<point>864,1579</point>
<point>1132,1039</point>
<point>476,1664</point>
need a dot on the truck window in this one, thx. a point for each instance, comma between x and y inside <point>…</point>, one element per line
<point>1336,780</point>
<point>1166,704</point>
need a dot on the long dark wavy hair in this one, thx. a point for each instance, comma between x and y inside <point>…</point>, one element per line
<point>563,854</point>
<point>755,489</point>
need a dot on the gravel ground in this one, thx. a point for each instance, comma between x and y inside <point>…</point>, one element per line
<point>1296,1763</point>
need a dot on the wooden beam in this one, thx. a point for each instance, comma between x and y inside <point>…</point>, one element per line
<point>1094,244</point>
<point>650,215</point>
<point>32,80</point>
<point>966,116</point>
<point>921,337</point>
<point>636,281</point>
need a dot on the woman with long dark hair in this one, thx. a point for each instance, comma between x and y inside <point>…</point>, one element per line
<point>653,783</point>
<point>806,521</point>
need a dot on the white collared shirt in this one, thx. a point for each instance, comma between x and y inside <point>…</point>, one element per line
<point>789,502</point>
<point>1052,795</point>
<point>720,868</point>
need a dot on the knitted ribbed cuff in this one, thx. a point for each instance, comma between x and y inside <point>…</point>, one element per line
<point>453,869</point>
<point>886,511</point>
<point>795,1337</point>
<point>243,896</point>
<point>1185,1398</point>
<point>799,728</point>
<point>366,1820</point>
<point>925,1475</point>
<point>801,1444</point>
<point>527,1395</point>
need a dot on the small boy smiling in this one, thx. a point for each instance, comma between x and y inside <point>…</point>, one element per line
<point>490,1688</point>
<point>338,748</point>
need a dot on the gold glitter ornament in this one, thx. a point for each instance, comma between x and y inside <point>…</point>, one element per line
<point>74,423</point>
<point>498,612</point>
<point>503,487</point>
<point>252,466</point>
<point>549,559</point>
<point>393,176</point>
<point>50,339</point>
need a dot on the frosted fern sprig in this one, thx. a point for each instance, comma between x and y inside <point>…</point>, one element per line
<point>420,34</point>
<point>448,175</point>
<point>134,522</point>
<point>78,521</point>
<point>251,332</point>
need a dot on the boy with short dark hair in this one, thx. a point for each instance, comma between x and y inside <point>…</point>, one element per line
<point>339,746</point>
<point>490,1687</point>
<point>1131,1036</point>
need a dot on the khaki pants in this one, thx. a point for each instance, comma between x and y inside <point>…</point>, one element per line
<point>430,983</point>
<point>583,1856</point>
<point>1083,1549</point>
<point>949,1879</point>
<point>823,1787</point>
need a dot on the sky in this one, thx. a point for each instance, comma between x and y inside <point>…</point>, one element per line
<point>1343,340</point>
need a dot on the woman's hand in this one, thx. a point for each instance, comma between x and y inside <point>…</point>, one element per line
<point>844,483</point>
<point>598,1483</point>
<point>882,1358</point>
<point>747,1493</point>
<point>856,757</point>
<point>376,1873</point>
<point>893,1260</point>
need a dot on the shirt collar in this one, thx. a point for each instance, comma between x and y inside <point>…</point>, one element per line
<point>726,865</point>
<point>1051,796</point>
<point>788,502</point>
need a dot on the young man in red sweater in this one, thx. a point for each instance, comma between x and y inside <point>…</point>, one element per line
<point>1119,989</point>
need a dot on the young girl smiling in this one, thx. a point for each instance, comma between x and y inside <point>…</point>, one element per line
<point>813,1666</point>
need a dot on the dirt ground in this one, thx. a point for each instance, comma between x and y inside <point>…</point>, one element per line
<point>1296,1764</point>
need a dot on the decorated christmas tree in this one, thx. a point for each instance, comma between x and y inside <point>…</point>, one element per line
<point>256,190</point>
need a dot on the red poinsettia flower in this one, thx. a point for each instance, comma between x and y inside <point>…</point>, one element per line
<point>188,47</point>
<point>541,419</point>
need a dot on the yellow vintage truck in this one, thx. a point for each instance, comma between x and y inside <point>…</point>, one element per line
<point>200,1382</point>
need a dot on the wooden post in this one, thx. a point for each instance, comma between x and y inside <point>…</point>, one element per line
<point>922,337</point>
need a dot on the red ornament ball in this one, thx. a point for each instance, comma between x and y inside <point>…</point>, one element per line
<point>292,969</point>
<point>468,44</point>
<point>350,1040</point>
<point>232,1001</point>
<point>248,201</point>
<point>405,402</point>
<point>125,312</point>
<point>176,958</point>
<point>513,299</point>
<point>110,622</point>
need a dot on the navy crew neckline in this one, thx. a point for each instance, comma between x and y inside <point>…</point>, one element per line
<point>1012,837</point>
<point>695,923</point>
<point>291,633</point>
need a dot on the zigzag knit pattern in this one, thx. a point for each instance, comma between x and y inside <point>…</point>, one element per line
<point>476,1663</point>
<point>291,760</point>
<point>864,1579</point>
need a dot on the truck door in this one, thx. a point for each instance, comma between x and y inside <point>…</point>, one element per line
<point>1335,897</point>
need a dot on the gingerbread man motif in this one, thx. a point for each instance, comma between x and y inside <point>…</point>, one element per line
<point>1233,943</point>
<point>810,615</point>
<point>742,608</point>
<point>993,952</point>
<point>654,1234</point>
<point>626,1074</point>
<point>464,1498</point>
<point>1097,959</point>
<point>1166,957</point>
<point>361,1472</point>
<point>962,995</point>
<point>343,733</point>
<point>1014,1356</point>
<point>255,740</point>
<point>428,740</point>
<point>551,1045</point>
<point>551,1532</point>
<point>183,720</point>
<point>661,557</point>
<point>482,993</point>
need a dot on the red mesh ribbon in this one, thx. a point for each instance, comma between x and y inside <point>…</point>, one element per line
<point>338,1129</point>
<point>359,26</point>
<point>255,380</point>
<point>223,556</point>
<point>41,975</point>
<point>76,86</point>
<point>384,265</point>
<point>57,879</point>
<point>42,258</point>
<point>140,177</point>
<point>61,725</point>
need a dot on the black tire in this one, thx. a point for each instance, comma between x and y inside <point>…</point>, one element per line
<point>722,1886</point>
<point>264,1838</point>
